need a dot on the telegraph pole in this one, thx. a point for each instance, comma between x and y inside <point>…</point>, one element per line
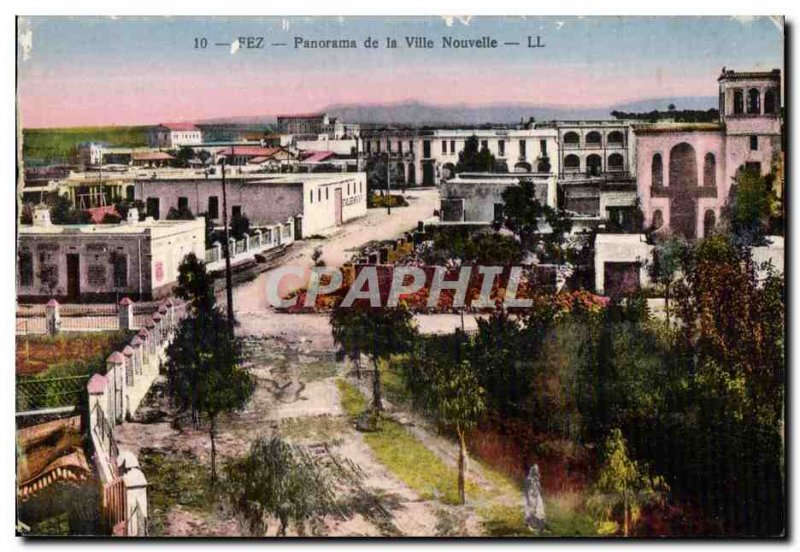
<point>388,182</point>
<point>227,249</point>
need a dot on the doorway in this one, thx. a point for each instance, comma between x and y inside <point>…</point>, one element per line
<point>73,277</point>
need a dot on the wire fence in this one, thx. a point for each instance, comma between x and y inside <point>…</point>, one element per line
<point>39,393</point>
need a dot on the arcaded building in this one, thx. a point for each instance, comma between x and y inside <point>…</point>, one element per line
<point>685,171</point>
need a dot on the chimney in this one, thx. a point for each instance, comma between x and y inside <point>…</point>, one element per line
<point>41,216</point>
<point>133,215</point>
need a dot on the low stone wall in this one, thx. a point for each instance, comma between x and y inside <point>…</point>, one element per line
<point>113,398</point>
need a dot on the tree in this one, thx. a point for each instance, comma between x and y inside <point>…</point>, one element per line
<point>376,332</point>
<point>204,361</point>
<point>475,159</point>
<point>184,155</point>
<point>667,258</point>
<point>124,205</point>
<point>275,479</point>
<point>450,391</point>
<point>623,487</point>
<point>62,211</point>
<point>749,207</point>
<point>180,213</point>
<point>240,225</point>
<point>522,211</point>
<point>560,228</point>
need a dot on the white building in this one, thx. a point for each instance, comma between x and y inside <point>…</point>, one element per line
<point>75,263</point>
<point>175,135</point>
<point>321,200</point>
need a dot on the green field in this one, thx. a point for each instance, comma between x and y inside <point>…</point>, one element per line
<point>58,145</point>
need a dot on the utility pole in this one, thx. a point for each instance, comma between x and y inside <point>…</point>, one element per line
<point>227,249</point>
<point>388,182</point>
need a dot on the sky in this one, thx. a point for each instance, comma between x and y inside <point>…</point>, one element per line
<point>86,71</point>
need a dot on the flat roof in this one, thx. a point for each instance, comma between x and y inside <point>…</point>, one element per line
<point>106,229</point>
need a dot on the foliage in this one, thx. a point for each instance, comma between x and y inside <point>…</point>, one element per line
<point>277,480</point>
<point>749,208</point>
<point>474,158</point>
<point>111,218</point>
<point>522,211</point>
<point>668,255</point>
<point>481,247</point>
<point>62,211</point>
<point>555,241</point>
<point>375,332</point>
<point>383,200</point>
<point>180,213</point>
<point>57,145</point>
<point>204,360</point>
<point>240,225</point>
<point>623,485</point>
<point>123,206</point>
<point>680,116</point>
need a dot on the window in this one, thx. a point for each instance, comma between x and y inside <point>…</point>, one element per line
<point>572,139</point>
<point>615,138</point>
<point>360,187</point>
<point>754,101</point>
<point>311,196</point>
<point>119,264</point>
<point>377,146</point>
<point>426,148</point>
<point>710,170</point>
<point>709,221</point>
<point>770,103</point>
<point>153,207</point>
<point>237,211</point>
<point>572,163</point>
<point>615,162</point>
<point>738,102</point>
<point>754,143</point>
<point>658,219</point>
<point>501,147</point>
<point>452,146</point>
<point>183,203</point>
<point>753,167</point>
<point>348,188</point>
<point>484,144</point>
<point>213,207</point>
<point>444,146</point>
<point>369,146</point>
<point>326,194</point>
<point>319,194</point>
<point>25,268</point>
<point>388,145</point>
<point>543,147</point>
<point>129,193</point>
<point>399,146</point>
<point>410,145</point>
<point>657,171</point>
<point>594,138</point>
<point>522,149</point>
<point>498,212</point>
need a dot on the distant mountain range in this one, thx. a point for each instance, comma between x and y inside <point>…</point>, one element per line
<point>420,113</point>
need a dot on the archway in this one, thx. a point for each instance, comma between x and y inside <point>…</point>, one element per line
<point>683,184</point>
<point>615,138</point>
<point>594,139</point>
<point>572,163</point>
<point>616,162</point>
<point>522,167</point>
<point>657,171</point>
<point>572,139</point>
<point>710,170</point>
<point>594,165</point>
<point>709,222</point>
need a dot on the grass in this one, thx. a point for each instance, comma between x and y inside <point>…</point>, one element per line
<point>59,144</point>
<point>172,481</point>
<point>401,453</point>
<point>312,428</point>
<point>67,354</point>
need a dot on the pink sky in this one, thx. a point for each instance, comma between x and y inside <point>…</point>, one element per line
<point>148,95</point>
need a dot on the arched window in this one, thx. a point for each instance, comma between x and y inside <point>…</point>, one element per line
<point>657,171</point>
<point>709,222</point>
<point>522,167</point>
<point>682,166</point>
<point>738,102</point>
<point>754,101</point>
<point>615,162</point>
<point>594,138</point>
<point>572,163</point>
<point>572,139</point>
<point>594,165</point>
<point>658,219</point>
<point>615,138</point>
<point>769,102</point>
<point>543,167</point>
<point>710,170</point>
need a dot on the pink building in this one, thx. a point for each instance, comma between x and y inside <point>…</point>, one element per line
<point>685,170</point>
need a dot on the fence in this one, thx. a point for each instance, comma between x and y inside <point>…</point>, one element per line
<point>113,397</point>
<point>53,317</point>
<point>39,393</point>
<point>257,242</point>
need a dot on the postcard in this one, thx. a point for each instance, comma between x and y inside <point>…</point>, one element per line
<point>393,277</point>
